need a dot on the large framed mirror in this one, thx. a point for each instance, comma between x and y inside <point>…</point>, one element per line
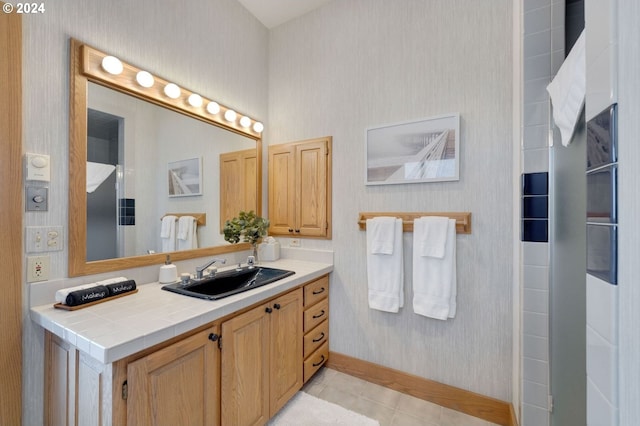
<point>131,141</point>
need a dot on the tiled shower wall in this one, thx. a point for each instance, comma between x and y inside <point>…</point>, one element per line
<point>543,53</point>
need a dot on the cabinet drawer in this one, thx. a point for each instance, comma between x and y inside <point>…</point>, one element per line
<point>315,315</point>
<point>316,337</point>
<point>315,361</point>
<point>316,291</point>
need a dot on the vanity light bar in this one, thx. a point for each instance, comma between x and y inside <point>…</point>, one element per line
<point>126,77</point>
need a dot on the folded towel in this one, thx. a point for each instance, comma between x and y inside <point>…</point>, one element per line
<point>168,233</point>
<point>381,231</point>
<point>432,243</point>
<point>434,279</point>
<point>80,297</point>
<point>121,287</point>
<point>187,233</point>
<point>61,295</point>
<point>97,173</point>
<point>567,90</point>
<point>385,273</point>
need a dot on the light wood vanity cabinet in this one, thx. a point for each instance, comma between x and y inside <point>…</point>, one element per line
<point>176,385</point>
<point>316,326</point>
<point>300,188</point>
<point>240,370</point>
<point>261,367</point>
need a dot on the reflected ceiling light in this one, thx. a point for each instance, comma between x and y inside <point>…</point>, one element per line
<point>195,100</point>
<point>245,121</point>
<point>112,65</point>
<point>258,127</point>
<point>144,79</point>
<point>213,108</point>
<point>172,91</point>
<point>230,115</point>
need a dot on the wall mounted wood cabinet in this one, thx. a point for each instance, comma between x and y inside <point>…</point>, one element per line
<point>300,188</point>
<point>239,189</point>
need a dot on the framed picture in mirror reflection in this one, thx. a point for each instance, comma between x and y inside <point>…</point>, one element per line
<point>185,177</point>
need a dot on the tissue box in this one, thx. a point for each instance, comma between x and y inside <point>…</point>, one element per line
<point>268,252</point>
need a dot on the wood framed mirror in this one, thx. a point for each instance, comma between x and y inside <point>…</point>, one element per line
<point>88,75</point>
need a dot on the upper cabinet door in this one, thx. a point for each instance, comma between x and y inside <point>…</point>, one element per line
<point>300,188</point>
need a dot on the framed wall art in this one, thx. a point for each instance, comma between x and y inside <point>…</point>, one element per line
<point>426,150</point>
<point>185,177</point>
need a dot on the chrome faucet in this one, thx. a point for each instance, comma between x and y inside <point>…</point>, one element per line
<point>200,269</point>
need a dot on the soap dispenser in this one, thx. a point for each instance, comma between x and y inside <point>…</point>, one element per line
<point>168,272</point>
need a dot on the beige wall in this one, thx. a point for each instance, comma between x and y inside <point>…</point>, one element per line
<point>214,47</point>
<point>360,63</point>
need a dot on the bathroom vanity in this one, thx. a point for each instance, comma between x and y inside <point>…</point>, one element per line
<point>156,357</point>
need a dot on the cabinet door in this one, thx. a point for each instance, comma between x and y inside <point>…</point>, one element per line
<point>238,183</point>
<point>311,189</point>
<point>286,349</point>
<point>176,385</point>
<point>245,368</point>
<point>281,189</point>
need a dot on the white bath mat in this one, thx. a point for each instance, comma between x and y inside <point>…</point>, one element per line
<point>306,410</point>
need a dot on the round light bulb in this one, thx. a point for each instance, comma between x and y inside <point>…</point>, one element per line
<point>112,65</point>
<point>230,115</point>
<point>213,108</point>
<point>172,91</point>
<point>245,121</point>
<point>258,127</point>
<point>145,79</point>
<point>195,100</point>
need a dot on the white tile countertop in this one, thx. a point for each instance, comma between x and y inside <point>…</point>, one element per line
<point>118,328</point>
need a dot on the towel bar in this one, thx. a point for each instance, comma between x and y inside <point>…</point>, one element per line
<point>201,218</point>
<point>463,219</point>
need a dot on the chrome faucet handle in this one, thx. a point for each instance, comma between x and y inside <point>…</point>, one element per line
<point>200,269</point>
<point>251,260</point>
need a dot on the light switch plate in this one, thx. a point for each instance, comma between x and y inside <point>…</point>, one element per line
<point>44,238</point>
<point>37,199</point>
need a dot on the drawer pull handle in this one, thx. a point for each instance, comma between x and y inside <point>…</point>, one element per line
<point>319,363</point>
<point>319,291</point>
<point>319,338</point>
<point>321,314</point>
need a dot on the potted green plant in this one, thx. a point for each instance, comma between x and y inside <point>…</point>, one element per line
<point>247,226</point>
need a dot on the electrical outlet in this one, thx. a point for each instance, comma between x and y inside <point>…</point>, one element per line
<point>294,242</point>
<point>38,268</point>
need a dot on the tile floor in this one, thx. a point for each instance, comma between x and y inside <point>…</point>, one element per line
<point>389,407</point>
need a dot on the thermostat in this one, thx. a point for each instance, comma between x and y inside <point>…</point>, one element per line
<point>38,167</point>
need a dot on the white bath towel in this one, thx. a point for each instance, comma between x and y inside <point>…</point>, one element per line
<point>187,233</point>
<point>433,241</point>
<point>381,231</point>
<point>168,233</point>
<point>97,173</point>
<point>434,279</point>
<point>385,272</point>
<point>567,90</point>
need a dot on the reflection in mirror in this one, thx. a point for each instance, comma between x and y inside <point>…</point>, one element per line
<point>122,141</point>
<point>139,139</point>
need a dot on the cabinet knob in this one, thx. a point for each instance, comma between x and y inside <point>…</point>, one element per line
<point>214,337</point>
<point>268,310</point>
<point>276,306</point>
<point>290,229</point>
<point>298,231</point>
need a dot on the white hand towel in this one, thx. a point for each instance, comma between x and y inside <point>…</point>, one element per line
<point>61,295</point>
<point>381,231</point>
<point>97,173</point>
<point>385,273</point>
<point>187,233</point>
<point>433,242</point>
<point>168,233</point>
<point>567,90</point>
<point>434,279</point>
